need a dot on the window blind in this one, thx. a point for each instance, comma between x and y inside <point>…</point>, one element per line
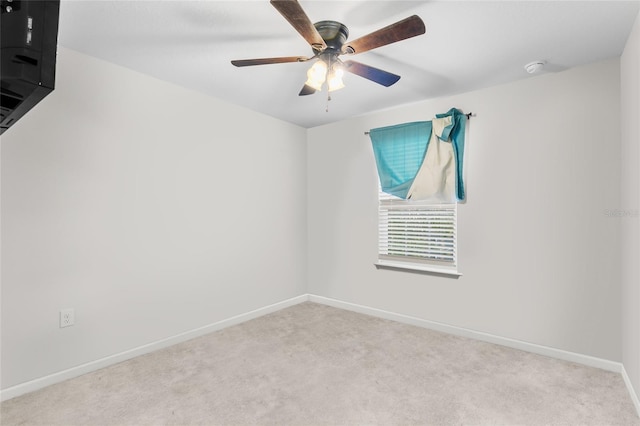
<point>416,232</point>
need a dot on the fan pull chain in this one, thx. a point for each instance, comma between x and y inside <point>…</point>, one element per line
<point>328,99</point>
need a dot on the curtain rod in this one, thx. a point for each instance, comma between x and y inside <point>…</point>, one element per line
<point>469,115</point>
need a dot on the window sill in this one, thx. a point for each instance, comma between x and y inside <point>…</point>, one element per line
<point>385,264</point>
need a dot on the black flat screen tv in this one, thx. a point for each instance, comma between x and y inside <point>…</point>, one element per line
<point>27,55</point>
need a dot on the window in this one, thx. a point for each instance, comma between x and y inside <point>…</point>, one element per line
<point>420,169</point>
<point>417,235</point>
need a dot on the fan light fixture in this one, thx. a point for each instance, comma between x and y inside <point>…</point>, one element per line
<point>335,78</point>
<point>316,75</point>
<point>321,72</point>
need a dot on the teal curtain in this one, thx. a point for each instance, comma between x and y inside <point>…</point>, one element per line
<point>399,151</point>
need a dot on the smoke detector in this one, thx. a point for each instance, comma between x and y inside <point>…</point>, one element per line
<point>534,67</point>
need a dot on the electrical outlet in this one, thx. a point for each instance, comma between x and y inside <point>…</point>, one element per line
<point>67,317</point>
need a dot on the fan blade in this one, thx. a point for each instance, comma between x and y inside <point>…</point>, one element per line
<point>307,90</point>
<point>266,61</point>
<point>401,30</point>
<point>293,12</point>
<point>370,73</point>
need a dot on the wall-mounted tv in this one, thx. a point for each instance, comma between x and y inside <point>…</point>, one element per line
<point>27,55</point>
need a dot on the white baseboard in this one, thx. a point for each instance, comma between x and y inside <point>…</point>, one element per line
<point>70,373</point>
<point>632,391</point>
<point>477,335</point>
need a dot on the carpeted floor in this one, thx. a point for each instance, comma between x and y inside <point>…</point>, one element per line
<point>311,364</point>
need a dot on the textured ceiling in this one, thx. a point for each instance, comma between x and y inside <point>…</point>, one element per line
<point>467,46</point>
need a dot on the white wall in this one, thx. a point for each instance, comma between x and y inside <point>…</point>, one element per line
<point>150,209</point>
<point>540,257</point>
<point>120,194</point>
<point>630,203</point>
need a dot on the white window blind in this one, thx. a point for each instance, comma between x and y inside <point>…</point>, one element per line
<point>417,232</point>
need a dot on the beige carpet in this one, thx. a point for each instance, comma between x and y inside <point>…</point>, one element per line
<point>312,365</point>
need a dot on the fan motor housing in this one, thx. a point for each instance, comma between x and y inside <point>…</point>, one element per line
<point>333,33</point>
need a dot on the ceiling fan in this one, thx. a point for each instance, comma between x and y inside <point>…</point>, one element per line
<point>328,40</point>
